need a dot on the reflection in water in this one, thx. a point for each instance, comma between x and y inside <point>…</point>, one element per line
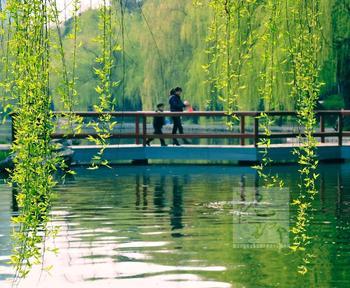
<point>159,200</point>
<point>141,201</point>
<point>124,227</point>
<point>242,186</point>
<point>138,191</point>
<point>145,191</point>
<point>177,208</point>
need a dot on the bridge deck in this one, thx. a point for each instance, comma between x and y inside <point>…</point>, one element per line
<point>209,153</point>
<point>278,153</point>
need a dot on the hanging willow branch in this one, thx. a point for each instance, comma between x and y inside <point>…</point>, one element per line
<point>5,82</point>
<point>231,41</point>
<point>66,90</point>
<point>232,38</point>
<point>103,71</point>
<point>34,157</point>
<point>304,50</point>
<point>268,75</point>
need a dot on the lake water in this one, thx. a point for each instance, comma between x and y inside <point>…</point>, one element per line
<point>187,226</point>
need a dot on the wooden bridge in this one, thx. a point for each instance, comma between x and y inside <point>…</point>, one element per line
<point>242,142</point>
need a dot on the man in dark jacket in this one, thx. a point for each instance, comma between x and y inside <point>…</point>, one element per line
<point>158,123</point>
<point>176,105</point>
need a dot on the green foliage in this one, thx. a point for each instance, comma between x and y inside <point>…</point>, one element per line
<point>34,158</point>
<point>158,55</point>
<point>263,169</point>
<point>269,76</point>
<point>305,45</point>
<point>3,155</point>
<point>103,71</point>
<point>334,102</point>
<point>66,85</point>
<point>167,45</point>
<point>267,55</point>
<point>290,35</point>
<point>340,29</point>
<point>233,35</point>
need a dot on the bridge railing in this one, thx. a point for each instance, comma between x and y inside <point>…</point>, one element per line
<point>141,133</point>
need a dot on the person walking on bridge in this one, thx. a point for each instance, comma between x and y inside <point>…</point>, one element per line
<point>158,123</point>
<point>176,105</point>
